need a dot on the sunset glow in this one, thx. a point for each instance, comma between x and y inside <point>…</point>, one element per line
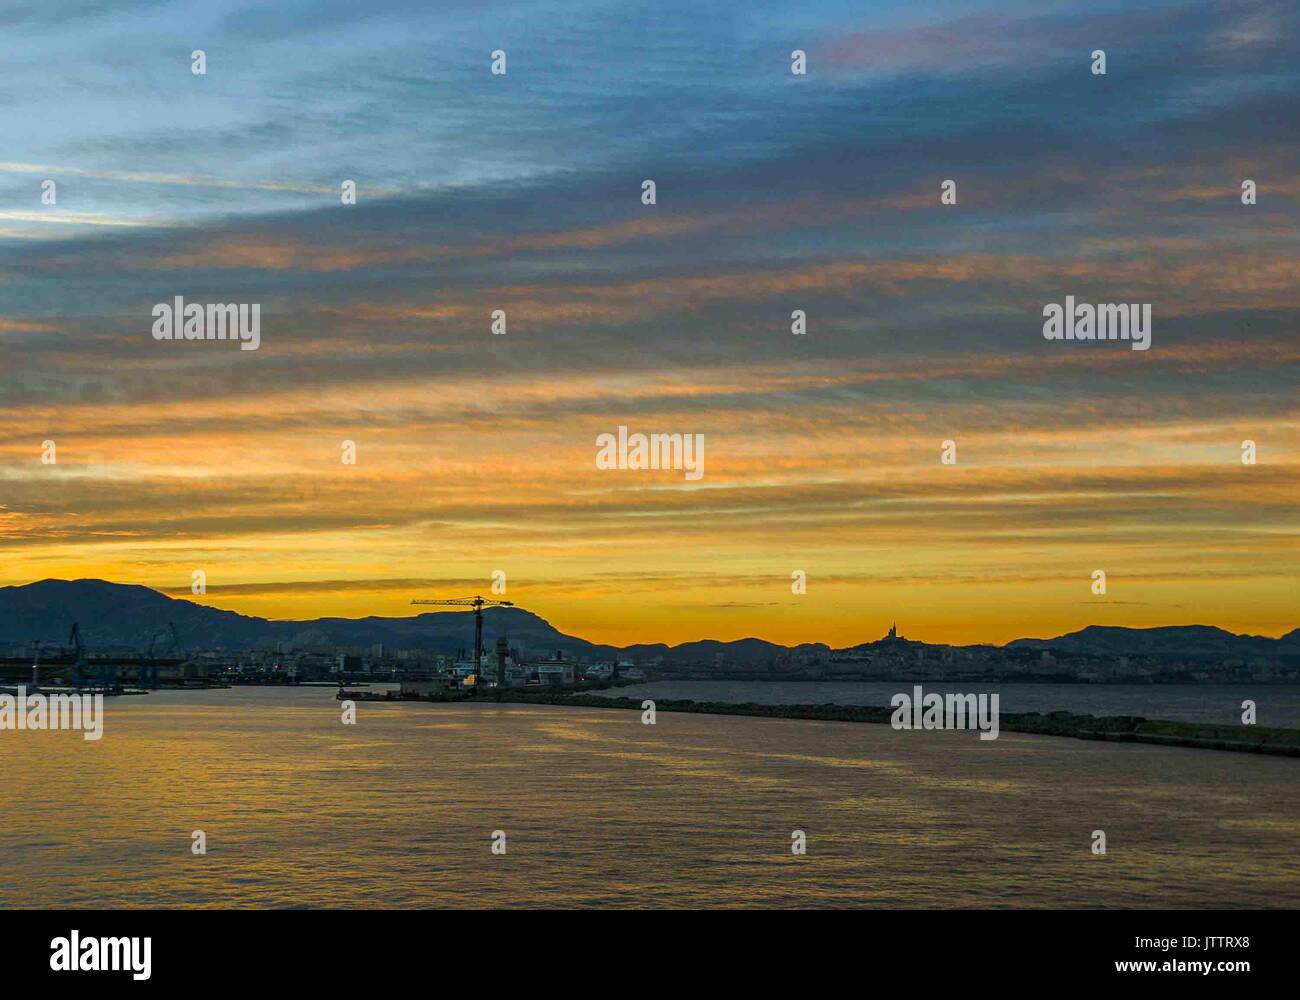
<point>477,452</point>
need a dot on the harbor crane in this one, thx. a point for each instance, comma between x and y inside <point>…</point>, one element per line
<point>80,667</point>
<point>149,662</point>
<point>110,678</point>
<point>478,604</point>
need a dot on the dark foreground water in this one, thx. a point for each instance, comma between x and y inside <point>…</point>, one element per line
<point>598,809</point>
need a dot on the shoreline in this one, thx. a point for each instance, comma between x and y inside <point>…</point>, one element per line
<point>1113,728</point>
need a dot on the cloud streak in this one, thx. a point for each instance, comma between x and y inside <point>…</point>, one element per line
<point>776,193</point>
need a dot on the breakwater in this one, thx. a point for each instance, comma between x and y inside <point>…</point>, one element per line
<point>1117,728</point>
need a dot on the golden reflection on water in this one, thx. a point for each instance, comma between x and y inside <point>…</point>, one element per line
<point>599,809</point>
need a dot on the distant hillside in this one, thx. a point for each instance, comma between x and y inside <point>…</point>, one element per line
<point>117,614</point>
<point>114,614</point>
<point>706,650</point>
<point>111,614</point>
<point>445,632</point>
<point>1194,642</point>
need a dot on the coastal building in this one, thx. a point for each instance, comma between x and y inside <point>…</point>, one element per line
<point>346,663</point>
<point>503,661</point>
<point>555,671</point>
<point>891,637</point>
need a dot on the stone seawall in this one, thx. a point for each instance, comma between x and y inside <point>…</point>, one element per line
<point>1117,728</point>
<point>1120,728</point>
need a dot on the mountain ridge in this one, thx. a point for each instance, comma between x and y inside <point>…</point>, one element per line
<point>117,614</point>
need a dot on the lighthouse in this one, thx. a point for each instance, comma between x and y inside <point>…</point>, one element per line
<point>503,651</point>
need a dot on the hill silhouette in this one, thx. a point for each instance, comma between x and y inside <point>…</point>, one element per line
<point>115,614</point>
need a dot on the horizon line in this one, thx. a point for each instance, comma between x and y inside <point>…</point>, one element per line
<point>518,607</point>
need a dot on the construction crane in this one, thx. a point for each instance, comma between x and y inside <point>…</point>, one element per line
<point>149,662</point>
<point>109,675</point>
<point>478,604</point>
<point>80,667</point>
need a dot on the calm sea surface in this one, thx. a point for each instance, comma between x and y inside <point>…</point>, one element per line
<point>1275,704</point>
<point>598,809</point>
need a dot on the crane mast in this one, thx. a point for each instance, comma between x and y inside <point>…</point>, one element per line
<point>79,663</point>
<point>478,604</point>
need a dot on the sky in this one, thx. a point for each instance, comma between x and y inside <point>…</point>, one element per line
<point>774,192</point>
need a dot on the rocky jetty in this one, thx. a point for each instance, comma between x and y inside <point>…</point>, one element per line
<point>1119,728</point>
